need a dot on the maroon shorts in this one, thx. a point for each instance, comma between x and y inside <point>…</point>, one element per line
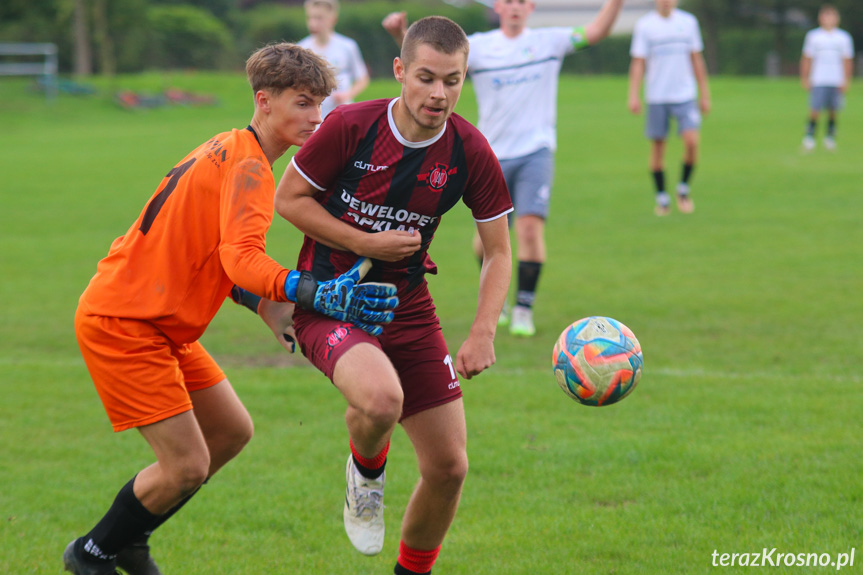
<point>413,342</point>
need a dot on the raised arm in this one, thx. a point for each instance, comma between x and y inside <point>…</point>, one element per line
<point>601,26</point>
<point>396,23</point>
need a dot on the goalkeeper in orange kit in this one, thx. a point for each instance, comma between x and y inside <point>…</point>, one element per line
<point>201,238</point>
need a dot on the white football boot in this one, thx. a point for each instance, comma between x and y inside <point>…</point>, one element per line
<point>364,510</point>
<point>521,322</point>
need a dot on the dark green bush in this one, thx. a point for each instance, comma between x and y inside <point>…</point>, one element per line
<point>611,56</point>
<point>361,21</point>
<point>744,51</point>
<point>741,52</point>
<point>189,37</point>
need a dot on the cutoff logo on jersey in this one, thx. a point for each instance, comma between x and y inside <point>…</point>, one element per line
<point>369,167</point>
<point>217,153</point>
<point>437,176</point>
<point>336,337</point>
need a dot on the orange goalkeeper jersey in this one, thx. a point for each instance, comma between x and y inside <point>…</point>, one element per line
<point>203,230</point>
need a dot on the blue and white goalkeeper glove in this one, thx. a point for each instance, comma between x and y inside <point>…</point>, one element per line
<point>367,305</point>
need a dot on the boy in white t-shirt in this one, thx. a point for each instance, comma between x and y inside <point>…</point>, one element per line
<point>342,53</point>
<point>666,44</point>
<point>515,71</point>
<point>826,69</point>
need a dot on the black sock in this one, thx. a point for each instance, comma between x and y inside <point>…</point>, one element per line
<point>659,181</point>
<point>687,173</point>
<point>810,128</point>
<point>399,570</point>
<point>160,519</point>
<point>126,521</point>
<point>831,127</point>
<point>528,278</point>
<point>370,473</point>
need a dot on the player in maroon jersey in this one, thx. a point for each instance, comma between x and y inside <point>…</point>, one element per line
<point>392,168</point>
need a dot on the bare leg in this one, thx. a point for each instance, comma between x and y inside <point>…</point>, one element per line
<point>530,234</point>
<point>183,462</point>
<point>371,386</point>
<point>224,421</point>
<point>657,155</point>
<point>439,437</point>
<point>690,146</point>
<point>192,446</point>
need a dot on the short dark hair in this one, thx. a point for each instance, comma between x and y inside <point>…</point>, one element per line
<point>281,66</point>
<point>439,32</point>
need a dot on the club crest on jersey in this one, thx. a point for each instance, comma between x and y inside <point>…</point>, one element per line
<point>437,176</point>
<point>336,337</point>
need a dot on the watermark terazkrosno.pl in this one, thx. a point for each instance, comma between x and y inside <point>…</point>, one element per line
<point>775,558</point>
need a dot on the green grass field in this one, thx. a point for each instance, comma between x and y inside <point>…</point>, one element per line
<point>743,434</point>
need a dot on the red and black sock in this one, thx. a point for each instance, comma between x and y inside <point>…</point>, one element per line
<point>415,562</point>
<point>370,468</point>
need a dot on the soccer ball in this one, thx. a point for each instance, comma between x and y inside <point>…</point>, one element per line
<point>597,361</point>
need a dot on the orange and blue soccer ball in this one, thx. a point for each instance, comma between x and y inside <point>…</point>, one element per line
<point>597,361</point>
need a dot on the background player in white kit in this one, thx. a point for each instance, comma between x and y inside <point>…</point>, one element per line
<point>666,43</point>
<point>341,52</point>
<point>826,69</point>
<point>515,71</point>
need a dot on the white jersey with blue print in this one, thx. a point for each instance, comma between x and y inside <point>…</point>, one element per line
<point>343,54</point>
<point>667,45</point>
<point>828,49</point>
<point>515,80</point>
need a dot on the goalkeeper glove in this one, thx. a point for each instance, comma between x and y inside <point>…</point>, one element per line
<point>366,305</point>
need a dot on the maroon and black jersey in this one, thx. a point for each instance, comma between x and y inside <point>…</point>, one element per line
<point>368,175</point>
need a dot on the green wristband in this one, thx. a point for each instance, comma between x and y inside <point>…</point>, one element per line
<point>579,38</point>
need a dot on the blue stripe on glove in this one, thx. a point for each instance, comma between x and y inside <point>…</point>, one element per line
<point>369,306</point>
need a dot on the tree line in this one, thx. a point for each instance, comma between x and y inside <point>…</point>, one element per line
<point>126,36</point>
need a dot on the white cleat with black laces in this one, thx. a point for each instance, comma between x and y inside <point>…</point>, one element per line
<point>364,510</point>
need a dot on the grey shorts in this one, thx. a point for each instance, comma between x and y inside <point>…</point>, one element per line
<point>659,116</point>
<point>529,181</point>
<point>826,98</point>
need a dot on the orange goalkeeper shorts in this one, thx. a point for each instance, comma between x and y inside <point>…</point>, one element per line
<point>141,376</point>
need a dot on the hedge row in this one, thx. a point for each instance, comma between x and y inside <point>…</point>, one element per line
<point>147,35</point>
